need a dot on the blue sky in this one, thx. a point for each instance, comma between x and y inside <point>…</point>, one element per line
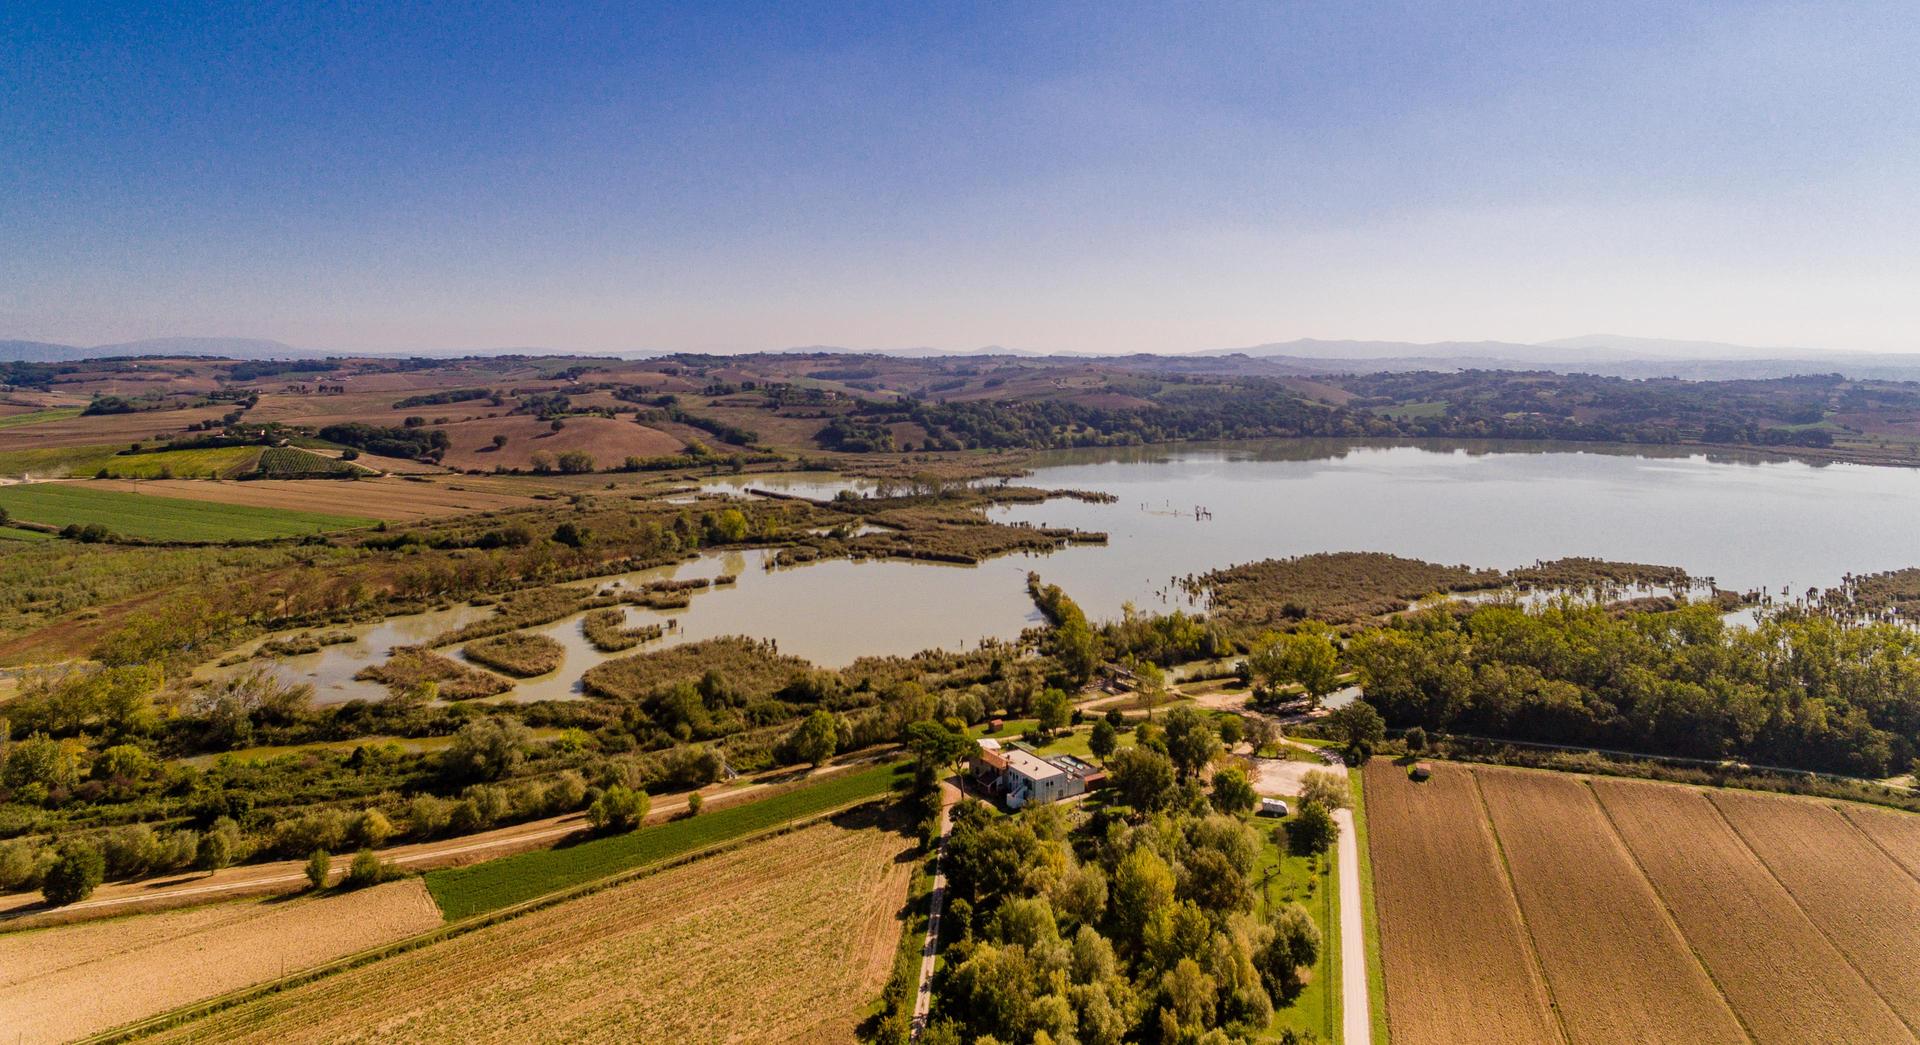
<point>1098,177</point>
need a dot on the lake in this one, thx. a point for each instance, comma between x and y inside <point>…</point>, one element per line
<point>1747,522</point>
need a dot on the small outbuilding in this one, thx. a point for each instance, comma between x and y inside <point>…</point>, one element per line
<point>1420,771</point>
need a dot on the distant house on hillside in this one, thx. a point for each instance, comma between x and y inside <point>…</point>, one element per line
<point>1018,775</point>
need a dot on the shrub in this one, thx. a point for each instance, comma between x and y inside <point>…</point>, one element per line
<point>371,828</point>
<point>129,850</point>
<point>694,802</point>
<point>1416,739</point>
<point>1327,788</point>
<point>428,816</point>
<point>214,852</point>
<point>321,829</point>
<point>318,864</point>
<point>368,869</point>
<point>77,870</point>
<point>618,809</point>
<point>565,794</point>
<point>19,864</point>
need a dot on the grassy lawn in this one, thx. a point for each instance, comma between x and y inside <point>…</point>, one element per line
<point>1310,882</point>
<point>58,413</point>
<point>162,518</point>
<point>1369,917</point>
<point>465,891</point>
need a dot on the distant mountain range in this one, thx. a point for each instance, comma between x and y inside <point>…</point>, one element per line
<point>1609,354</point>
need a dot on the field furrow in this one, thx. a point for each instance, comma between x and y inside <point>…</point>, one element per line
<point>1620,970</point>
<point>772,942</point>
<point>1897,834</point>
<point>1457,961</point>
<point>1864,902</point>
<point>1786,982</point>
<point>70,981</point>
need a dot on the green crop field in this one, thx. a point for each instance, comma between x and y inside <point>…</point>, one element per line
<point>465,891</point>
<point>222,462</point>
<point>14,533</point>
<point>286,462</point>
<point>161,518</point>
<point>59,413</point>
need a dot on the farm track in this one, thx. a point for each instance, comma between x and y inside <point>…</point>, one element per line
<point>1779,973</point>
<point>1860,899</point>
<point>1450,928</point>
<point>1620,970</point>
<point>784,940</point>
<point>68,982</point>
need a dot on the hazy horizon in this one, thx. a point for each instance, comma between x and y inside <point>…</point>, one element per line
<point>1049,178</point>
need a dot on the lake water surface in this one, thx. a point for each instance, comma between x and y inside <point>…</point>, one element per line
<point>1745,522</point>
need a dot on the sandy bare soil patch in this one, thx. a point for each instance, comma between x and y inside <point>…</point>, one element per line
<point>609,440</point>
<point>1456,958</point>
<point>1619,969</point>
<point>1897,834</point>
<point>785,940</point>
<point>60,983</point>
<point>1783,978</point>
<point>399,500</point>
<point>1858,896</point>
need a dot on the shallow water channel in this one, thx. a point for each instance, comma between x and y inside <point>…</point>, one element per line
<point>1746,522</point>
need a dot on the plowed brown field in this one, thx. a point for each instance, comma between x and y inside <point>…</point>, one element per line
<point>785,940</point>
<point>1898,834</point>
<point>69,981</point>
<point>1783,978</point>
<point>1620,970</point>
<point>1457,963</point>
<point>1866,904</point>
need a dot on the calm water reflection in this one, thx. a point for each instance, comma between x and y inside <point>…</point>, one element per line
<point>1745,521</point>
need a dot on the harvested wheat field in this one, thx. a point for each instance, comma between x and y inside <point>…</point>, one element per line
<point>1897,834</point>
<point>397,500</point>
<point>1780,974</point>
<point>1858,897</point>
<point>785,940</point>
<point>1619,968</point>
<point>69,981</point>
<point>1455,954</point>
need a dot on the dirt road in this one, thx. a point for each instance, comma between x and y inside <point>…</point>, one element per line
<point>936,902</point>
<point>1356,1018</point>
<point>26,910</point>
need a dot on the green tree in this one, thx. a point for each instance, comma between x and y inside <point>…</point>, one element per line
<point>1233,729</point>
<point>1307,658</point>
<point>619,808</point>
<point>1292,946</point>
<point>1313,830</point>
<point>215,851</point>
<point>1105,740</point>
<point>1358,727</point>
<point>936,747</point>
<point>1053,709</point>
<point>486,748</point>
<point>1416,739</point>
<point>1192,741</point>
<point>1143,777</point>
<point>368,869</point>
<point>76,871</point>
<point>817,738</point>
<point>1261,733</point>
<point>319,863</point>
<point>1327,788</point>
<point>1232,793</point>
<point>576,462</point>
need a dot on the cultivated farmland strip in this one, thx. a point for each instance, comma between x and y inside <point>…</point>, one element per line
<point>1897,834</point>
<point>1620,970</point>
<point>1864,902</point>
<point>1456,957</point>
<point>1786,982</point>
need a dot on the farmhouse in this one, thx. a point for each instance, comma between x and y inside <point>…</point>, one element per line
<point>1018,775</point>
